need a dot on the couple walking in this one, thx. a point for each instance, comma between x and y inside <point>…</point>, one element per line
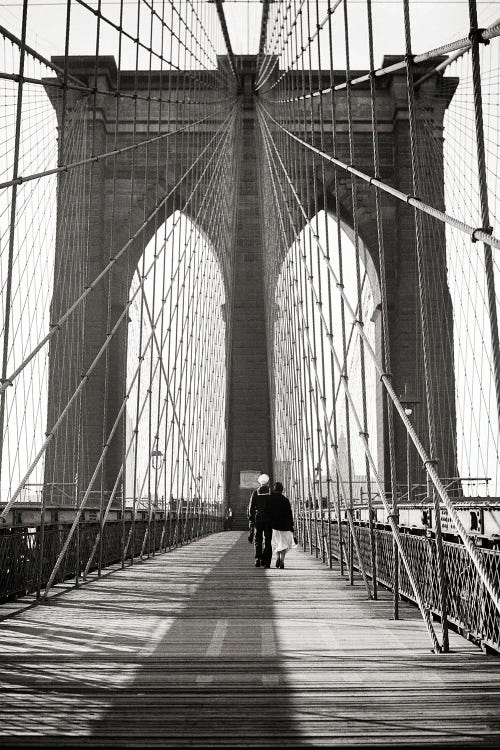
<point>271,521</point>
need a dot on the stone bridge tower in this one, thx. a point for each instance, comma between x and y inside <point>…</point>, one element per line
<point>248,405</point>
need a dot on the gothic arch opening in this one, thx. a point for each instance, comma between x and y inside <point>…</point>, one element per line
<point>307,308</point>
<point>176,372</point>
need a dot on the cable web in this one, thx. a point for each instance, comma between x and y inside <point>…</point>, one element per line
<point>380,192</point>
<point>378,206</point>
<point>117,195</point>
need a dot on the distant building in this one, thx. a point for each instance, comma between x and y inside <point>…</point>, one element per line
<point>359,489</point>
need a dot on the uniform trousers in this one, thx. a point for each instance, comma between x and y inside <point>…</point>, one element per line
<point>263,533</point>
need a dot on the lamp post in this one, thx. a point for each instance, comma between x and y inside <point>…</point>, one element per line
<point>228,520</point>
<point>320,504</point>
<point>409,401</point>
<point>156,461</point>
<point>197,510</point>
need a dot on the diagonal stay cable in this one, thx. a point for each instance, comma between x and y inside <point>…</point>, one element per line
<point>164,301</point>
<point>90,288</point>
<point>348,351</point>
<point>263,34</point>
<point>138,43</point>
<point>50,435</point>
<point>459,47</point>
<point>135,96</point>
<point>225,34</point>
<point>481,233</point>
<point>319,27</point>
<point>362,434</point>
<point>312,358</point>
<point>170,398</point>
<point>37,56</point>
<point>65,78</point>
<point>273,59</point>
<point>99,157</point>
<point>141,278</point>
<point>385,378</point>
<point>107,444</point>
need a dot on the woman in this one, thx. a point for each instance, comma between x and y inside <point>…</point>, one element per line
<point>282,523</point>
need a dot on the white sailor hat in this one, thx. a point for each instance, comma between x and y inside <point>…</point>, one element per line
<point>263,479</point>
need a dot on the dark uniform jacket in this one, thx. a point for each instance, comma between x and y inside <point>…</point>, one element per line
<point>258,508</point>
<point>281,512</point>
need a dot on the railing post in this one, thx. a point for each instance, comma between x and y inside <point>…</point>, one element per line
<point>78,532</point>
<point>41,546</point>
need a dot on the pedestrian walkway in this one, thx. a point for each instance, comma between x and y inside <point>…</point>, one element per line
<point>198,647</point>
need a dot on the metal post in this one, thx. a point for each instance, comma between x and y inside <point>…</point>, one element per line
<point>77,535</point>
<point>101,527</point>
<point>41,547</point>
<point>476,39</point>
<point>124,528</point>
<point>424,320</point>
<point>395,563</point>
<point>408,468</point>
<point>12,228</point>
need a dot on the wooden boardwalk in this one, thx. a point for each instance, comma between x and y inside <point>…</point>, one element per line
<point>197,647</point>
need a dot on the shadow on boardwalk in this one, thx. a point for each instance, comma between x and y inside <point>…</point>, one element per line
<point>214,674</point>
<point>198,648</point>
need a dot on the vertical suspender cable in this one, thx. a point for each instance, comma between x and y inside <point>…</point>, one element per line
<point>227,40</point>
<point>12,229</point>
<point>355,210</point>
<point>262,37</point>
<point>476,39</point>
<point>424,313</point>
<point>386,351</point>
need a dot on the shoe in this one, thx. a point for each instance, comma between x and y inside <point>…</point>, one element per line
<point>267,566</point>
<point>277,562</point>
<point>257,563</point>
<point>282,565</point>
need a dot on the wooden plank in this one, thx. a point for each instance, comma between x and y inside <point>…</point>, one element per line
<point>197,647</point>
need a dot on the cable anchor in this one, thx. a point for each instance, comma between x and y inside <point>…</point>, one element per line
<point>430,462</point>
<point>475,36</point>
<point>411,196</point>
<point>486,230</point>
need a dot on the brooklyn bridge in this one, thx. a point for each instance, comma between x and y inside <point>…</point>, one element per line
<point>243,237</point>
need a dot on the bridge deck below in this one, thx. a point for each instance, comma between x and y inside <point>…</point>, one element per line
<point>199,647</point>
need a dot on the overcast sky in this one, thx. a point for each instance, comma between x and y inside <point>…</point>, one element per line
<point>432,24</point>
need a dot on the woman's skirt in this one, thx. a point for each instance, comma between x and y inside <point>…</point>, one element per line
<point>282,540</point>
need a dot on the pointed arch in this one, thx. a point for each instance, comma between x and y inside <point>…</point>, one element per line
<point>307,321</point>
<point>176,370</point>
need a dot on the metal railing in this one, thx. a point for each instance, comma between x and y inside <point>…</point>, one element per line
<point>28,554</point>
<point>470,607</point>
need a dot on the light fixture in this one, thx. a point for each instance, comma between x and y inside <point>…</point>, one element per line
<point>156,459</point>
<point>408,401</point>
